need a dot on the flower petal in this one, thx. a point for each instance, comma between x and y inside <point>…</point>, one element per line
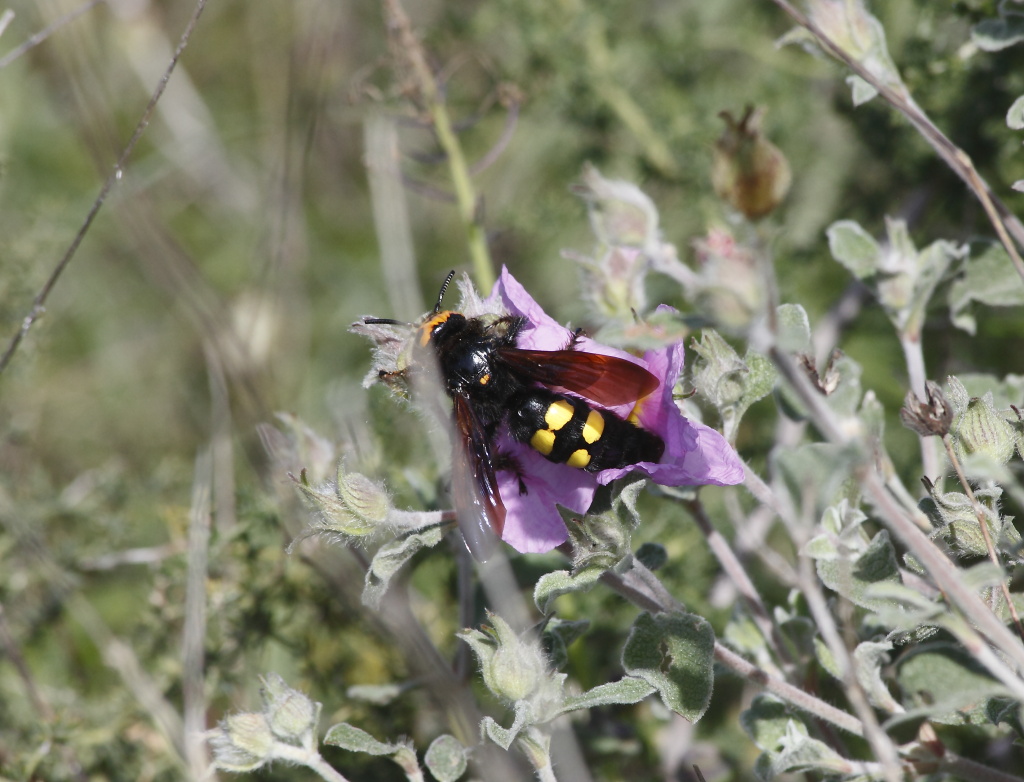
<point>695,454</point>
<point>533,523</point>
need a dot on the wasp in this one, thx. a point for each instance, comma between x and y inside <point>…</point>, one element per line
<point>551,400</point>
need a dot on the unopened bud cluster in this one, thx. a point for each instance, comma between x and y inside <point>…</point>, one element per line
<point>979,429</point>
<point>245,742</point>
<point>516,669</point>
<point>354,505</point>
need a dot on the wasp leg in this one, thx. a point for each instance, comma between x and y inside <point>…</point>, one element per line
<point>506,462</point>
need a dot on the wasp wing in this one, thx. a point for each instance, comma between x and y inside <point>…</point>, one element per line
<point>606,380</point>
<point>478,504</point>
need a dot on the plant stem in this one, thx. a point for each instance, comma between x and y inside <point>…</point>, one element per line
<point>734,569</point>
<point>39,303</point>
<point>408,50</point>
<point>311,759</point>
<point>914,357</point>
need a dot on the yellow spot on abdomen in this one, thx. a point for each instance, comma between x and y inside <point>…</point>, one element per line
<point>543,440</point>
<point>558,415</point>
<point>578,458</point>
<point>594,427</point>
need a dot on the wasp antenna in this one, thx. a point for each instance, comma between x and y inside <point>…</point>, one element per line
<point>385,322</point>
<point>447,282</point>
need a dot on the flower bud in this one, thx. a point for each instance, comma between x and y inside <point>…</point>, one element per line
<point>242,742</point>
<point>730,288</point>
<point>931,417</point>
<point>517,667</point>
<point>290,713</point>
<point>514,669</point>
<point>747,171</point>
<point>365,498</point>
<point>621,214</point>
<point>615,283</point>
<point>955,516</point>
<point>355,506</point>
<point>980,429</point>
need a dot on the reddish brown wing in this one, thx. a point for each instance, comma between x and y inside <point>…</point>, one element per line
<point>475,493</point>
<point>607,380</point>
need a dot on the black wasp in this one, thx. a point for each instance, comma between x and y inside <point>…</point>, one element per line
<point>491,381</point>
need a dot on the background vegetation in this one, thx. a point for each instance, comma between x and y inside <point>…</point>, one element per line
<point>213,291</point>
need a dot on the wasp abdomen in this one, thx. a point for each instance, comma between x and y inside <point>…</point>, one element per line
<point>566,430</point>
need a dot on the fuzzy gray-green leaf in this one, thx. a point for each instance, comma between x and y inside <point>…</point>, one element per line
<point>854,248</point>
<point>993,35</point>
<point>794,329</point>
<point>948,683</point>
<point>766,721</point>
<point>673,653</point>
<point>390,558</point>
<point>868,659</point>
<point>627,690</point>
<point>561,582</point>
<point>988,279</point>
<point>446,758</point>
<point>852,577</point>
<point>356,740</point>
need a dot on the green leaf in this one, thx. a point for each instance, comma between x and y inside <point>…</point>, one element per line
<point>852,576</point>
<point>553,585</point>
<point>814,472</point>
<point>846,398</point>
<point>624,501</point>
<point>743,635</point>
<point>652,555</point>
<point>826,659</point>
<point>862,91</point>
<point>1006,391</point>
<point>674,654</point>
<point>989,279</point>
<point>627,690</point>
<point>766,722</point>
<point>868,659</point>
<point>854,248</point>
<point>902,608</point>
<point>558,635</point>
<point>794,329</point>
<point>949,685</point>
<point>798,752</point>
<point>993,35</point>
<point>446,758</point>
<point>356,740</point>
<point>1015,116</point>
<point>377,694</point>
<point>728,382</point>
<point>391,557</point>
<point>718,371</point>
<point>760,379</point>
<point>932,264</point>
<point>504,737</point>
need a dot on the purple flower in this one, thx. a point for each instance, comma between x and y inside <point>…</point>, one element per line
<point>695,454</point>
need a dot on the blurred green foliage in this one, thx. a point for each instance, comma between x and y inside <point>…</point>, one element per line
<point>238,246</point>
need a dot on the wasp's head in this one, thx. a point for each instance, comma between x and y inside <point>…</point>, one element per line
<point>439,326</point>
<point>398,345</point>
